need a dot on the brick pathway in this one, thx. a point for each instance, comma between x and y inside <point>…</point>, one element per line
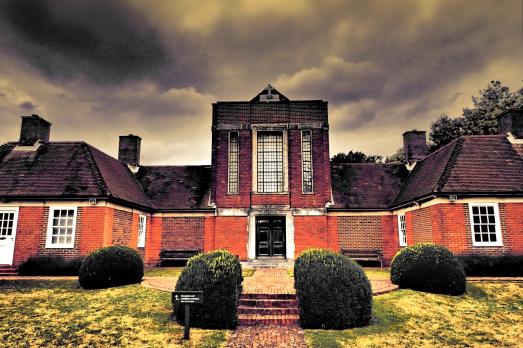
<point>267,337</point>
<point>269,281</point>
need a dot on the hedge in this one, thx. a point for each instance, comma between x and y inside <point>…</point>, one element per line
<point>333,291</point>
<point>50,266</point>
<point>219,275</point>
<point>492,266</point>
<point>111,266</point>
<point>430,268</point>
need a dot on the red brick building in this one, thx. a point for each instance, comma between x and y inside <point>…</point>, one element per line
<point>270,191</point>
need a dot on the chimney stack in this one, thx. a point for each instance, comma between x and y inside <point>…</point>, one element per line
<point>34,128</point>
<point>129,150</point>
<point>511,121</point>
<point>414,145</point>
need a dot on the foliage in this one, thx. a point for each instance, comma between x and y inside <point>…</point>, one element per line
<point>111,266</point>
<point>333,291</point>
<point>219,275</point>
<point>399,156</point>
<point>481,118</point>
<point>484,317</point>
<point>493,266</point>
<point>355,157</point>
<point>50,266</point>
<point>428,267</point>
<point>58,313</point>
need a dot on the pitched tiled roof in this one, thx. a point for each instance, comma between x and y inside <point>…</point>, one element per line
<point>176,187</point>
<point>66,170</point>
<point>366,185</point>
<point>471,164</point>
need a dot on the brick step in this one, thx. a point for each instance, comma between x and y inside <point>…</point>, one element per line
<point>268,303</point>
<point>267,311</point>
<point>258,320</point>
<point>269,296</point>
<point>8,271</point>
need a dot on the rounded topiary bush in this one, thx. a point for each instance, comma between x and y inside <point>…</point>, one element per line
<point>430,268</point>
<point>219,275</point>
<point>333,291</point>
<point>111,266</point>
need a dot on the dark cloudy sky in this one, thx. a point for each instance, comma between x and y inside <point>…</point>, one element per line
<point>99,69</point>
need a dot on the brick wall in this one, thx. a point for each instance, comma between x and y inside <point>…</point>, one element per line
<point>389,228</point>
<point>513,213</point>
<point>183,233</point>
<point>122,228</point>
<point>421,226</point>
<point>360,232</point>
<point>65,252</point>
<point>153,240</point>
<point>312,232</point>
<point>31,222</point>
<point>230,233</point>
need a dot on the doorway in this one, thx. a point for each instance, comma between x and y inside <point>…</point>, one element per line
<point>270,236</point>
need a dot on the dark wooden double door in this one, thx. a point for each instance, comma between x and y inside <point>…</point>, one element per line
<point>270,236</point>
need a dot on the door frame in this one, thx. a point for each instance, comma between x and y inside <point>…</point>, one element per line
<point>284,234</point>
<point>14,210</point>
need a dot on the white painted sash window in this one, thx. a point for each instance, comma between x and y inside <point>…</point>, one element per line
<point>142,228</point>
<point>485,224</point>
<point>61,227</point>
<point>402,229</point>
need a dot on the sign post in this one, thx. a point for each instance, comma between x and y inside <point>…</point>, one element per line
<point>187,298</point>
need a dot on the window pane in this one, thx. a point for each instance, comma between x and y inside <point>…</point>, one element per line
<point>270,161</point>
<point>233,162</point>
<point>306,157</point>
<point>62,228</point>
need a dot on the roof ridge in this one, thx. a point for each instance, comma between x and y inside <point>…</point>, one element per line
<point>95,170</point>
<point>456,151</point>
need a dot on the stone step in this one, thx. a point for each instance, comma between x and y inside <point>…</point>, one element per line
<point>268,310</point>
<point>268,296</point>
<point>258,320</point>
<point>268,303</point>
<point>8,271</point>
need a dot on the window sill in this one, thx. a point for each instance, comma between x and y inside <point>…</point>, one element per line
<point>270,193</point>
<point>487,245</point>
<point>59,246</point>
<point>307,193</point>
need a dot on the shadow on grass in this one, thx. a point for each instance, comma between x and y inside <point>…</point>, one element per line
<point>386,317</point>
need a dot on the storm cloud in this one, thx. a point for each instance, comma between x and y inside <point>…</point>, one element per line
<point>98,69</point>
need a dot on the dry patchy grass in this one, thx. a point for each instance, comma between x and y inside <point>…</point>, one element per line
<point>59,313</point>
<point>490,314</point>
<point>176,271</point>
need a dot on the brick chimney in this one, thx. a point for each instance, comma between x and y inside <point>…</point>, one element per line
<point>414,146</point>
<point>511,121</point>
<point>129,150</point>
<point>34,128</point>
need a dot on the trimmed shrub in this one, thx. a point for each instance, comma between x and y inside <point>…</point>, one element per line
<point>111,266</point>
<point>333,291</point>
<point>50,266</point>
<point>430,268</point>
<point>492,266</point>
<point>219,275</point>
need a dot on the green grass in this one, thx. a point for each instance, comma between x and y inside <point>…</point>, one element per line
<point>163,272</point>
<point>490,314</point>
<point>175,272</point>
<point>59,313</point>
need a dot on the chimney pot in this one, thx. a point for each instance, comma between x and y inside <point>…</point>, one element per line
<point>34,128</point>
<point>129,150</point>
<point>414,145</point>
<point>511,121</point>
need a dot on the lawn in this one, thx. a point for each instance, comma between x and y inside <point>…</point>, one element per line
<point>175,272</point>
<point>490,314</point>
<point>59,313</point>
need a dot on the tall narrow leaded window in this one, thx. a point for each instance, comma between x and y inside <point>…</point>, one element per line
<point>402,229</point>
<point>270,162</point>
<point>234,148</point>
<point>306,160</point>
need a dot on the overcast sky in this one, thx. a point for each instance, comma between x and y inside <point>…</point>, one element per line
<point>99,69</point>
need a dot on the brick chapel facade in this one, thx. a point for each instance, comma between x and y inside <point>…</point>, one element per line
<point>270,191</point>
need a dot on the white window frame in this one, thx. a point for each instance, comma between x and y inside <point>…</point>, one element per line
<point>142,225</point>
<point>499,241</point>
<point>402,229</point>
<point>302,163</point>
<point>269,128</point>
<point>237,165</point>
<point>50,218</point>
